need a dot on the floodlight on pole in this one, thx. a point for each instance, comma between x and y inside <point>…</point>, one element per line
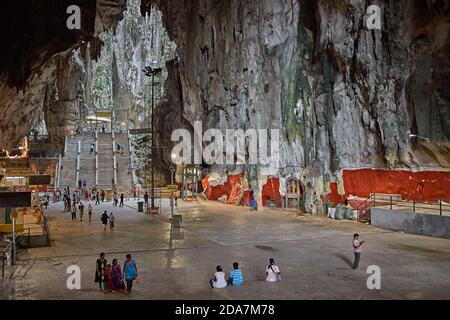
<point>419,137</point>
<point>153,72</point>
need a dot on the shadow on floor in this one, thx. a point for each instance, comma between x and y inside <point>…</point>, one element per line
<point>345,259</point>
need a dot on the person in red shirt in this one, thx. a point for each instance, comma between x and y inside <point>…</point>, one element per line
<point>357,248</point>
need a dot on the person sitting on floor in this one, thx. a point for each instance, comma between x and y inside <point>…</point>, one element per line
<point>218,281</point>
<point>236,278</point>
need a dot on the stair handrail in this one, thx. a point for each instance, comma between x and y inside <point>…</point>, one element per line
<point>96,158</point>
<point>77,175</point>
<point>114,158</point>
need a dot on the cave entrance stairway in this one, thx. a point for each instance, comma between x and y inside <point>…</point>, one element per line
<point>124,174</point>
<point>364,205</point>
<point>105,161</point>
<point>87,159</point>
<point>69,163</point>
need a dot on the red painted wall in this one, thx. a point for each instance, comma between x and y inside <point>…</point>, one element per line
<point>212,193</point>
<point>410,185</point>
<point>271,191</point>
<point>334,197</point>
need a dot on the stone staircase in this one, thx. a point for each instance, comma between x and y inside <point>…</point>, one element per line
<point>105,161</point>
<point>69,164</point>
<point>87,160</point>
<point>124,177</point>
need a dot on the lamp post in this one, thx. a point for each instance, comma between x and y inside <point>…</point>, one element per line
<point>152,72</point>
<point>172,171</point>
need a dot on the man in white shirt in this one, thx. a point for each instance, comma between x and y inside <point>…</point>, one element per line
<point>357,247</point>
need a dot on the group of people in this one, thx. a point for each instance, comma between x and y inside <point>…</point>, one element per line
<point>115,278</point>
<point>236,278</point>
<point>116,200</point>
<point>80,209</point>
<point>273,273</point>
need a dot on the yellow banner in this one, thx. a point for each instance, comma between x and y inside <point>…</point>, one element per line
<point>104,114</point>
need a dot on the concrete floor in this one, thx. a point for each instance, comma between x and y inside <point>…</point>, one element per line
<point>313,253</point>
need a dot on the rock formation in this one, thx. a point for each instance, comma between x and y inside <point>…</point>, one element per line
<point>41,70</point>
<point>342,95</point>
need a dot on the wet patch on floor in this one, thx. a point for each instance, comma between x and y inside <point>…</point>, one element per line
<point>267,248</point>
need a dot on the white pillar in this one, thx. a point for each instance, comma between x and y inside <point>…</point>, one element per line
<point>114,158</point>
<point>78,163</point>
<point>14,248</point>
<point>133,172</point>
<point>58,170</point>
<point>96,158</point>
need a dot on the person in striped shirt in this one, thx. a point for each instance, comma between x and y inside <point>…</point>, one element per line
<point>357,248</point>
<point>236,278</point>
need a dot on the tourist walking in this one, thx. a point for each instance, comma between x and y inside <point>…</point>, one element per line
<point>104,219</point>
<point>100,271</point>
<point>116,199</point>
<point>112,221</point>
<point>81,208</point>
<point>236,278</point>
<point>97,199</point>
<point>146,199</point>
<point>253,204</point>
<point>130,272</point>
<point>121,200</point>
<point>273,272</point>
<point>218,281</point>
<point>357,250</point>
<point>90,213</point>
<point>117,283</point>
<point>74,213</point>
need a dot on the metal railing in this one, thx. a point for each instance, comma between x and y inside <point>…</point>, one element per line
<point>45,229</point>
<point>7,254</point>
<point>428,205</point>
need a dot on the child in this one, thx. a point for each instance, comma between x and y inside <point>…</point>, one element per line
<point>109,278</point>
<point>236,278</point>
<point>218,281</point>
<point>273,272</point>
<point>253,204</point>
